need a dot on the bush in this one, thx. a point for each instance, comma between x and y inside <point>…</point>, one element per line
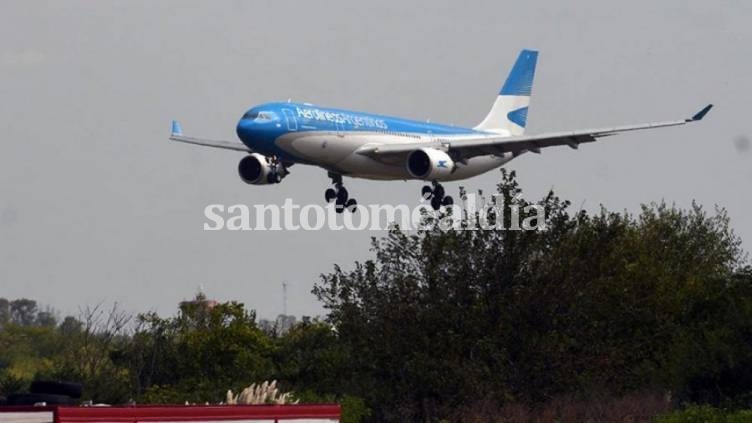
<point>354,409</point>
<point>705,414</point>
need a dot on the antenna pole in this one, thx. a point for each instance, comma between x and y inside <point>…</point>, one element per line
<point>284,298</point>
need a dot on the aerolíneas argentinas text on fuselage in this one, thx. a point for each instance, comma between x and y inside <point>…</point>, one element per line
<point>276,136</point>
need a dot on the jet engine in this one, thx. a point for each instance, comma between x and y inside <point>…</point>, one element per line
<point>255,169</point>
<point>429,164</point>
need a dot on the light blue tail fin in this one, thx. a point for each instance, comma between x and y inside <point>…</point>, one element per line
<point>508,114</point>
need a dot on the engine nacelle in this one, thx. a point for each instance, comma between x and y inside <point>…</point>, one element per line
<point>254,169</point>
<point>429,164</point>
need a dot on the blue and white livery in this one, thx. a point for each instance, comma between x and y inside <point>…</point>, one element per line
<point>276,136</point>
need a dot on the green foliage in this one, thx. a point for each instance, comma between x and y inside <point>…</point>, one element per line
<point>26,351</point>
<point>25,313</point>
<point>742,416</point>
<point>157,394</point>
<point>200,354</point>
<point>695,414</point>
<point>354,409</point>
<point>310,357</point>
<point>705,414</point>
<point>609,302</point>
<point>10,384</point>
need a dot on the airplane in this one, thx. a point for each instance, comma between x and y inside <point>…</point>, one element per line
<point>276,136</point>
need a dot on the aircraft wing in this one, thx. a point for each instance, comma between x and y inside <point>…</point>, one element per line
<point>176,134</point>
<point>467,147</point>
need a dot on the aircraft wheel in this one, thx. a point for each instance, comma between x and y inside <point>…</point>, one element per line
<point>342,195</point>
<point>426,192</point>
<point>436,202</point>
<point>351,205</point>
<point>438,191</point>
<point>340,204</point>
<point>330,194</point>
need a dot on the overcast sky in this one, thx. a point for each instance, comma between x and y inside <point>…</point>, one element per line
<point>96,205</point>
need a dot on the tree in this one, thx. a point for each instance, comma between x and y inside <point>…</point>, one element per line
<point>200,354</point>
<point>309,357</point>
<point>23,311</point>
<point>89,353</point>
<point>46,318</point>
<point>4,312</point>
<point>591,304</point>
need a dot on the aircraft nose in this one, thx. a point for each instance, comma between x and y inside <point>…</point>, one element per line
<point>243,128</point>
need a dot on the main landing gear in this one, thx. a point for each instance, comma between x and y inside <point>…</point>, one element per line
<point>435,194</point>
<point>340,196</point>
<point>278,171</point>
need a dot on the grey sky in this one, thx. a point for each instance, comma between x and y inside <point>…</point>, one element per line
<point>95,204</point>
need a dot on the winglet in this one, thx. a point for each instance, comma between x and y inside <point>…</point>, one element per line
<point>176,128</point>
<point>701,114</point>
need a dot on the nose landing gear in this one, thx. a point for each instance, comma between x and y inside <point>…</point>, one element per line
<point>339,195</point>
<point>435,194</point>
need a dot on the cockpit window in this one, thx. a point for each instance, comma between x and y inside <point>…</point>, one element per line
<point>259,115</point>
<point>265,116</point>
